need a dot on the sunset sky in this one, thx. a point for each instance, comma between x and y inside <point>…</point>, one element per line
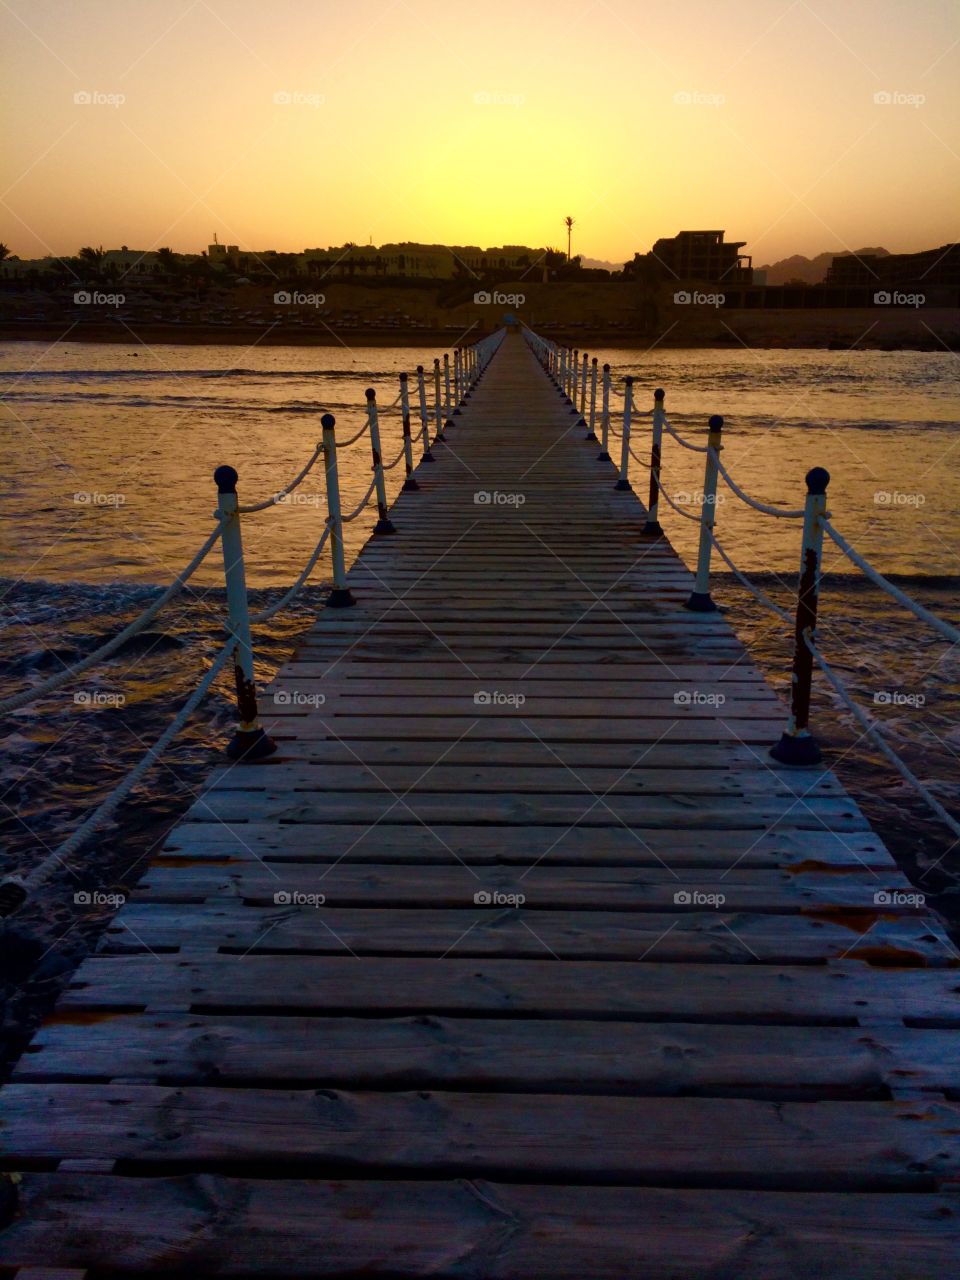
<point>480,124</point>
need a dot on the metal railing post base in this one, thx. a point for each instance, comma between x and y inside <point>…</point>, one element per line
<point>591,435</point>
<point>603,456</point>
<point>384,525</point>
<point>252,744</point>
<point>797,749</point>
<point>409,485</point>
<point>701,602</point>
<point>623,486</point>
<point>652,529</point>
<point>340,598</point>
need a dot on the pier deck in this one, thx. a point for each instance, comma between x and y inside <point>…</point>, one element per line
<point>594,989</point>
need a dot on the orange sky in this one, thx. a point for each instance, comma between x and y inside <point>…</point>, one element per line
<point>480,124</point>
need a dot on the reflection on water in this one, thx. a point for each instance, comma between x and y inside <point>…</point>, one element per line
<point>138,432</point>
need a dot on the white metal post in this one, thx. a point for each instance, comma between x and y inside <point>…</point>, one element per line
<point>340,595</point>
<point>424,415</point>
<point>447,399</point>
<point>583,385</point>
<point>700,600</point>
<point>603,455</point>
<point>797,745</point>
<point>437,403</point>
<point>384,523</point>
<point>591,427</point>
<point>652,526</point>
<point>249,742</point>
<point>409,483</point>
<point>623,480</point>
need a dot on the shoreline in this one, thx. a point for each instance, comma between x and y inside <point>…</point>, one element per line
<point>254,336</point>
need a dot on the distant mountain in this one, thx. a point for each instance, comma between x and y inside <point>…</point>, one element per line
<point>605,266</point>
<point>810,270</point>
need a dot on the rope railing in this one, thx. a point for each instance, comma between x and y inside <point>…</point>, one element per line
<point>283,493</point>
<point>249,741</point>
<point>50,685</point>
<point>797,746</point>
<point>944,628</point>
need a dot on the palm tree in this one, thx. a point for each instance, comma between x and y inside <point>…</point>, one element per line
<point>4,252</point>
<point>167,261</point>
<point>568,223</point>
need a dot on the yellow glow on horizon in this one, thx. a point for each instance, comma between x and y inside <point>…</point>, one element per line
<point>467,124</point>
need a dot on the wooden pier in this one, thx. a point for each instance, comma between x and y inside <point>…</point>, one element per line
<point>521,958</point>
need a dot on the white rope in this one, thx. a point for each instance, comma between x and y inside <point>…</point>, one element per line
<point>389,466</point>
<point>343,444</point>
<point>944,628</point>
<point>266,614</point>
<point>694,448</point>
<point>640,461</point>
<point>278,497</point>
<point>871,728</point>
<point>356,511</point>
<point>760,595</point>
<point>767,510</point>
<point>26,696</point>
<point>679,510</point>
<point>105,810</point>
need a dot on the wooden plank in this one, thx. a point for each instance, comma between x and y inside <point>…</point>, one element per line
<point>858,990</point>
<point>679,932</point>
<point>477,1053</point>
<point>861,1146</point>
<point>614,845</point>
<point>474,1230</point>
<point>580,888</point>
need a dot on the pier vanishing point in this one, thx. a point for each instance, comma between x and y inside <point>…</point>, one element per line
<point>519,957</point>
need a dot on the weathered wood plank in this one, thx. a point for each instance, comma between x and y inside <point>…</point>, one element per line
<point>534,1055</point>
<point>474,1230</point>
<point>861,1146</point>
<point>657,991</point>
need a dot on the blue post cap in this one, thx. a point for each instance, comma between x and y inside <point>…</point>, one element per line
<point>328,420</point>
<point>370,393</point>
<point>817,480</point>
<point>403,377</point>
<point>659,393</point>
<point>716,423</point>
<point>419,368</point>
<point>594,361</point>
<point>629,379</point>
<point>225,478</point>
<point>606,368</point>
<point>436,362</point>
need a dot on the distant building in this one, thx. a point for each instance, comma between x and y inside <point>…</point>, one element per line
<point>703,257</point>
<point>411,260</point>
<point>929,269</point>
